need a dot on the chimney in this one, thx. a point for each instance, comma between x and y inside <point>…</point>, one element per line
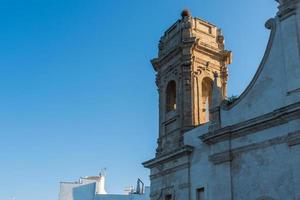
<point>100,186</point>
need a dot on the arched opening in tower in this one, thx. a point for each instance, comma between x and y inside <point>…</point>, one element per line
<point>171,96</point>
<point>207,85</point>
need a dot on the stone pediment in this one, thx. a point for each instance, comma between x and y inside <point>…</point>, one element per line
<point>276,82</point>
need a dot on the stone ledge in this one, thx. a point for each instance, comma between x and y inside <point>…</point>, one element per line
<point>294,138</point>
<point>185,150</point>
<point>291,139</point>
<point>169,171</point>
<point>222,157</point>
<point>293,91</point>
<point>272,119</point>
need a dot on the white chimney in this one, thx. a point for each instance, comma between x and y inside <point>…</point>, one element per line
<point>100,186</point>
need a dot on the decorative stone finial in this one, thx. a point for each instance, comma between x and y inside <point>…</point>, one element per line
<point>185,13</point>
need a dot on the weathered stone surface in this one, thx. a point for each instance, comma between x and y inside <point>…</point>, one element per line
<point>250,148</point>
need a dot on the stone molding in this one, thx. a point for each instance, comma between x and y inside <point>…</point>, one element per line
<point>157,195</point>
<point>159,161</point>
<point>287,8</point>
<point>207,48</point>
<point>182,31</point>
<point>275,118</point>
<point>214,53</point>
<point>157,62</point>
<point>222,157</point>
<point>202,21</point>
<point>169,133</point>
<point>294,138</point>
<point>184,151</point>
<point>270,24</point>
<point>184,185</point>
<point>169,171</point>
<point>172,53</point>
<point>293,91</point>
<point>171,119</point>
<point>291,139</point>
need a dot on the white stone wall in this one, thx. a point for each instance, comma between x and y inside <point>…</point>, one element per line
<point>263,161</point>
<point>77,191</point>
<point>204,174</point>
<point>253,152</point>
<point>122,197</point>
<point>277,81</point>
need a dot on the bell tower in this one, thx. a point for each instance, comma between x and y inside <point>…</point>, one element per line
<point>191,66</point>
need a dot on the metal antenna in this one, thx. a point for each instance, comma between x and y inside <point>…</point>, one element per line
<point>140,186</point>
<point>103,172</point>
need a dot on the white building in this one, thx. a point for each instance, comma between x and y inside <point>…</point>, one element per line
<point>93,188</point>
<point>214,148</point>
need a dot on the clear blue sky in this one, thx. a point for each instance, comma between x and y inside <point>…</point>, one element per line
<point>77,89</point>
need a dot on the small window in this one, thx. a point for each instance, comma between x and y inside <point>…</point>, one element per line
<point>168,197</point>
<point>171,96</point>
<point>200,194</point>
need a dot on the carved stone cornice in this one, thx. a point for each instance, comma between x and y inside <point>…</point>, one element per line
<point>183,48</point>
<point>275,118</point>
<point>158,62</point>
<point>169,171</point>
<point>183,151</point>
<point>223,55</point>
<point>228,155</point>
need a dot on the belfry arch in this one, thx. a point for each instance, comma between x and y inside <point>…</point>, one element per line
<point>185,69</point>
<point>171,96</point>
<point>206,99</point>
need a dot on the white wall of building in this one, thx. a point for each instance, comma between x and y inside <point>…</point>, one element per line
<point>88,189</point>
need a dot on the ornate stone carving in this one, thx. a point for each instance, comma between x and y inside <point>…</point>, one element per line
<point>287,8</point>
<point>189,51</point>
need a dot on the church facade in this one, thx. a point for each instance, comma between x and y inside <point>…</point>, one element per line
<point>214,148</point>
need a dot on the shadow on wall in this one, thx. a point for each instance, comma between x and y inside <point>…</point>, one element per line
<point>86,192</point>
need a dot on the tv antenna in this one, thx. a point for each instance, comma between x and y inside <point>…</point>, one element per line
<point>103,172</point>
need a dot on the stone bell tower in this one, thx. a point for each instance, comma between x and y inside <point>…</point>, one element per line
<point>191,62</point>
